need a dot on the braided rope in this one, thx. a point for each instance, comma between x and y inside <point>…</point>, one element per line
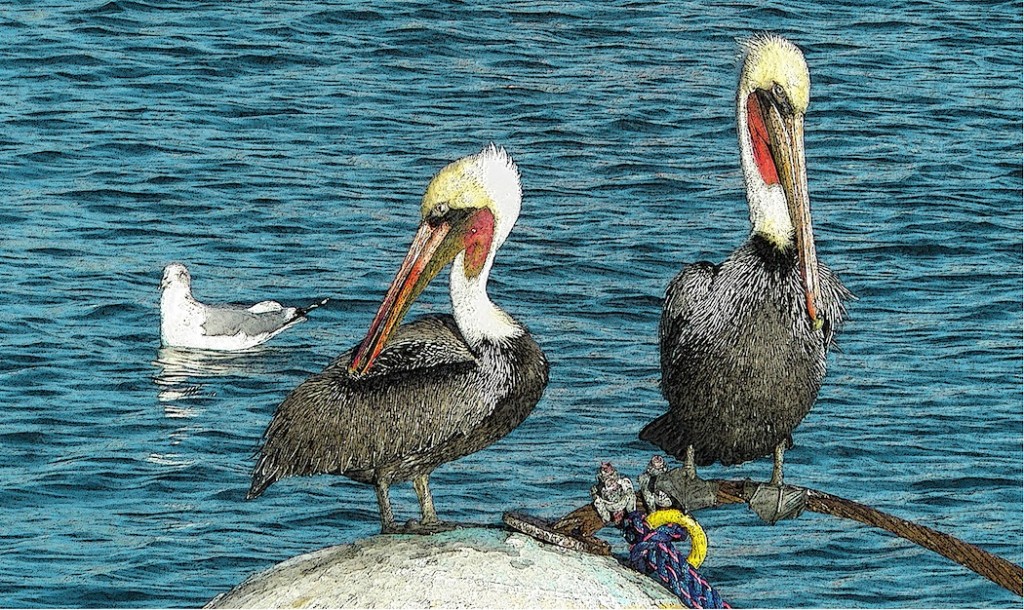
<point>1001,571</point>
<point>652,553</point>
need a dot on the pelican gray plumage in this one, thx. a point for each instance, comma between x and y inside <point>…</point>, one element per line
<point>743,343</point>
<point>415,396</point>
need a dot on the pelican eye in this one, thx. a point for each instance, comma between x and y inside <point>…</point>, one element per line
<point>781,99</point>
<point>440,210</point>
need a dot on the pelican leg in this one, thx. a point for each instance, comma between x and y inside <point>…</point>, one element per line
<point>422,486</point>
<point>387,516</point>
<point>689,467</point>
<point>430,524</point>
<point>780,450</point>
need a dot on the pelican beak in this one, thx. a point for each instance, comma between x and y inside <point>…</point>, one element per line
<point>437,242</point>
<point>786,132</point>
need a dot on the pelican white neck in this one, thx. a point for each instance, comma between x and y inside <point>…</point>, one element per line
<point>477,317</point>
<point>770,60</point>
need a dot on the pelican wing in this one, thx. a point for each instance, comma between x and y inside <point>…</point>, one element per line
<point>422,393</point>
<point>833,303</point>
<point>683,299</point>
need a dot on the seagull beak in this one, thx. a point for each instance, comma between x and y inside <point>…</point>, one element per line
<point>786,132</point>
<point>437,242</point>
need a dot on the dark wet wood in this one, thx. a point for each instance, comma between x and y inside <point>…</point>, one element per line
<point>545,531</point>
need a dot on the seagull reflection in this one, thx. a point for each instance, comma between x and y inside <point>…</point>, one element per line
<point>181,369</point>
<point>181,378</point>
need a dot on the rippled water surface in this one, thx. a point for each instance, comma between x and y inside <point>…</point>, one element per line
<point>280,149</point>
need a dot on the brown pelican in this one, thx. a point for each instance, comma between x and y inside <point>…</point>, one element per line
<point>743,343</point>
<point>415,396</point>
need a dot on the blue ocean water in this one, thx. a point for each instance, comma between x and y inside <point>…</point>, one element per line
<point>280,149</point>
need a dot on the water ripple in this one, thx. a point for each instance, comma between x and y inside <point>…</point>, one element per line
<point>282,148</point>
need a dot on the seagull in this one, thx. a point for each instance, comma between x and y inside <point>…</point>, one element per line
<point>185,322</point>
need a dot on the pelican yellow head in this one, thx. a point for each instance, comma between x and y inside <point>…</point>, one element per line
<point>772,61</point>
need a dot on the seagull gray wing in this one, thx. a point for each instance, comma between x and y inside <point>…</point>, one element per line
<point>231,321</point>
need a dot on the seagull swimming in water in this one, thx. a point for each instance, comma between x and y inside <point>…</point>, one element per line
<point>185,322</point>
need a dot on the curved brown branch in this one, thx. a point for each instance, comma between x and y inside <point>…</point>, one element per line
<point>584,521</point>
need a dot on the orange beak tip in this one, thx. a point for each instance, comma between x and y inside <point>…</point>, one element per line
<point>360,365</point>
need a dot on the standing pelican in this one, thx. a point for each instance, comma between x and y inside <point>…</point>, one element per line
<point>415,396</point>
<point>743,343</point>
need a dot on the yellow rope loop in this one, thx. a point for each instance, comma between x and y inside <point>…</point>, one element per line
<point>698,539</point>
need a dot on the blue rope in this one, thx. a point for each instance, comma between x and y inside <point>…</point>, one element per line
<point>651,552</point>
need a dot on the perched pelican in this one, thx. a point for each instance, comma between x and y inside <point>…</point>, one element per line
<point>185,322</point>
<point>415,396</point>
<point>743,343</point>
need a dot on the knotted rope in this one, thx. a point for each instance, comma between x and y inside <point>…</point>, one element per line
<point>653,553</point>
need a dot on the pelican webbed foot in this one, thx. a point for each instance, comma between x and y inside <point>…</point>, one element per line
<point>687,490</point>
<point>423,528</point>
<point>774,502</point>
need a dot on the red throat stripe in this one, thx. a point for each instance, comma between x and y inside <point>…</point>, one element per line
<point>759,138</point>
<point>478,241</point>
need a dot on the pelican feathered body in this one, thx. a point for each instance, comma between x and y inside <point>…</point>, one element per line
<point>743,343</point>
<point>429,399</point>
<point>413,396</point>
<point>740,365</point>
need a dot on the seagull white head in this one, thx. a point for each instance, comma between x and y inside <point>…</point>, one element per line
<point>176,274</point>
